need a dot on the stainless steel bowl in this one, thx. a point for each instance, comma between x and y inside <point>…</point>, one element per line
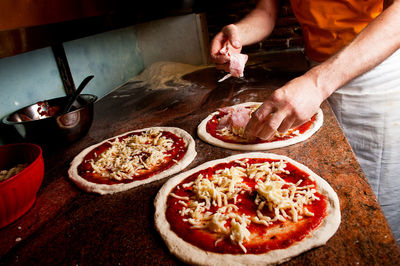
<point>43,122</point>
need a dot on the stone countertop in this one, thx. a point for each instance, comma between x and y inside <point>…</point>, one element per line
<point>69,226</point>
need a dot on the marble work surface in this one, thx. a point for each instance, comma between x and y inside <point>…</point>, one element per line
<point>69,226</point>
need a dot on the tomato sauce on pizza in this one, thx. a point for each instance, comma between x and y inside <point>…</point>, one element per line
<point>176,149</point>
<point>256,214</point>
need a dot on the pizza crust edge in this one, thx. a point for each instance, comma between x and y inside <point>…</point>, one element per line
<point>207,137</point>
<point>191,254</point>
<point>110,189</point>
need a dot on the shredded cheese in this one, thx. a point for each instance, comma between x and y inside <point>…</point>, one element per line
<point>126,158</point>
<point>6,174</point>
<point>239,132</point>
<point>285,200</point>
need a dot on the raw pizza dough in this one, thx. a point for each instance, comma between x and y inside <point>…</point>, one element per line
<point>113,188</point>
<point>207,137</point>
<point>191,254</point>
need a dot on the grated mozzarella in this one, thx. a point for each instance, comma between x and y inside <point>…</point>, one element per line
<point>126,158</point>
<point>286,201</point>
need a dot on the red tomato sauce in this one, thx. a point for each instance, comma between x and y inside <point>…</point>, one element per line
<point>85,169</point>
<point>207,240</point>
<point>212,126</point>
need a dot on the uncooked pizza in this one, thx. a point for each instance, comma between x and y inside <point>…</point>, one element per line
<point>132,159</point>
<point>246,209</point>
<point>225,128</point>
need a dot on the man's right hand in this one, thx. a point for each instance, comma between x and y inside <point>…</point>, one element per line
<point>227,38</point>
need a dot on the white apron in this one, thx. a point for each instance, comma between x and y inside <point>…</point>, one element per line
<point>368,109</point>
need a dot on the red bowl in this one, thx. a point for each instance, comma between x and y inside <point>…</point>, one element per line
<point>18,193</point>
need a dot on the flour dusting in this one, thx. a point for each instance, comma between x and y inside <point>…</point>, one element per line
<point>165,75</point>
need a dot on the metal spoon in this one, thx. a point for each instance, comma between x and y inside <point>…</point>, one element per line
<point>72,99</point>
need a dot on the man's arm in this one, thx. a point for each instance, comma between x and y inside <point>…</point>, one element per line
<point>373,45</point>
<point>259,23</point>
<point>254,27</point>
<point>298,100</point>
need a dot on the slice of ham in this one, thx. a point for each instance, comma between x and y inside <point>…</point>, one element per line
<point>237,63</point>
<point>235,120</point>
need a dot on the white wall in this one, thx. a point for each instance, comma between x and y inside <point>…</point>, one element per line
<point>182,39</point>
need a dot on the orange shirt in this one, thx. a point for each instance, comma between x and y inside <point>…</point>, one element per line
<point>329,25</point>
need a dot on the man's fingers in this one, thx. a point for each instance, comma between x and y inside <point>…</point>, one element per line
<point>235,41</point>
<point>217,44</point>
<point>271,125</point>
<point>256,122</point>
<point>231,32</point>
<point>252,128</point>
<point>286,124</point>
<point>264,122</point>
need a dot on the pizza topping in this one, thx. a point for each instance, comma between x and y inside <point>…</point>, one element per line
<point>125,158</point>
<point>237,63</point>
<point>229,124</point>
<point>293,132</point>
<point>235,120</point>
<point>212,200</point>
<point>178,197</point>
<point>135,156</point>
<point>223,186</point>
<point>286,203</point>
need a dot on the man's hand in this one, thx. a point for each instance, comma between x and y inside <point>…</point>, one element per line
<point>287,107</point>
<point>228,41</point>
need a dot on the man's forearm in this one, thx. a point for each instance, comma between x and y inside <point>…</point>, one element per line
<point>259,23</point>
